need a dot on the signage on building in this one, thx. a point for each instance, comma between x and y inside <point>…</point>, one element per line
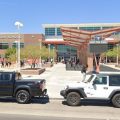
<point>98,45</point>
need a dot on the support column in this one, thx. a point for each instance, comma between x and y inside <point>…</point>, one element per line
<point>90,62</point>
<point>97,62</point>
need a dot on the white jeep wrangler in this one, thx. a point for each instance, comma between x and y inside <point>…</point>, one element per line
<point>98,86</point>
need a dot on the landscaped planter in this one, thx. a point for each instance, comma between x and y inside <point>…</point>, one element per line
<point>33,71</point>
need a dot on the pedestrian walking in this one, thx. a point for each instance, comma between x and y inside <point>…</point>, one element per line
<point>2,64</point>
<point>6,64</point>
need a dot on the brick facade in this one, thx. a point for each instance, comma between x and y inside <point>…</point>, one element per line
<point>27,39</point>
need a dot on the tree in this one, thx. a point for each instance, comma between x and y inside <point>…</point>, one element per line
<point>12,58</point>
<point>9,52</point>
<point>34,53</point>
<point>44,52</point>
<point>113,53</point>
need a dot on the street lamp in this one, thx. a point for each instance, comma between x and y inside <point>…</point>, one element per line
<point>16,45</point>
<point>117,59</point>
<point>49,51</point>
<point>18,25</point>
<point>40,52</point>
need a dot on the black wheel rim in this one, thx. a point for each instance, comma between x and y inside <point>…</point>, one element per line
<point>73,98</point>
<point>118,100</point>
<point>22,97</point>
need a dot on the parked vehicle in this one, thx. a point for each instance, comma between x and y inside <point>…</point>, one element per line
<point>105,86</point>
<point>11,84</point>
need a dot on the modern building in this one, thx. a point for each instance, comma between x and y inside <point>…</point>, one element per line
<point>54,37</point>
<point>9,40</point>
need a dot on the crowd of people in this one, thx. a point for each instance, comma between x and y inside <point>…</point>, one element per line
<point>5,64</point>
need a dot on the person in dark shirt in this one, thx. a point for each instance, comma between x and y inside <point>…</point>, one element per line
<point>83,71</point>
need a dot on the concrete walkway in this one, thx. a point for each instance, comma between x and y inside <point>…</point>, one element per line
<point>56,79</point>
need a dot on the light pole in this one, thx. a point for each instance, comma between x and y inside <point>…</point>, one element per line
<point>18,25</point>
<point>117,59</point>
<point>16,45</point>
<point>40,53</point>
<point>49,51</point>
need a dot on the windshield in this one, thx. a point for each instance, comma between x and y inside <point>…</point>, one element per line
<point>90,78</point>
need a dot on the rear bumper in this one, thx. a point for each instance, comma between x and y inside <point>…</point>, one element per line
<point>63,93</point>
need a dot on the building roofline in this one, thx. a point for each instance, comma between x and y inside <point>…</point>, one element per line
<point>10,33</point>
<point>22,33</point>
<point>81,25</point>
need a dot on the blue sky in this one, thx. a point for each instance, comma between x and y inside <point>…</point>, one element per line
<point>34,13</point>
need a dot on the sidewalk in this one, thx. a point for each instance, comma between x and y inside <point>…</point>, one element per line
<point>56,79</point>
<point>111,66</point>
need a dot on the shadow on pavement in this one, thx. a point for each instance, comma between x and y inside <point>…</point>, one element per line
<point>93,103</point>
<point>40,100</point>
<point>36,100</point>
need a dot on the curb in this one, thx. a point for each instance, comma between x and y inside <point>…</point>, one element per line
<point>56,99</point>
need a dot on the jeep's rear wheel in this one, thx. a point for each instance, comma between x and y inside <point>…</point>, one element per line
<point>116,100</point>
<point>73,99</point>
<point>22,96</point>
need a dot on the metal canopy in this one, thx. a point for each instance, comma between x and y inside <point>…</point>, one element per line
<point>78,37</point>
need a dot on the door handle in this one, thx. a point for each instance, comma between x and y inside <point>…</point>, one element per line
<point>105,87</point>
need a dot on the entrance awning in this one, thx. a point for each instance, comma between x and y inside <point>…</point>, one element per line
<point>77,37</point>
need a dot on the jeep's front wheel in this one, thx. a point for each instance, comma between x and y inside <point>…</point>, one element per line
<point>73,99</point>
<point>22,96</point>
<point>116,100</point>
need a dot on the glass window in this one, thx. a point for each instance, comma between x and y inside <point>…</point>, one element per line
<point>50,31</point>
<point>4,45</point>
<point>67,49</point>
<point>114,80</point>
<point>110,46</point>
<point>101,80</point>
<point>59,31</point>
<point>5,77</point>
<point>90,28</point>
<point>21,45</point>
<point>15,45</point>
